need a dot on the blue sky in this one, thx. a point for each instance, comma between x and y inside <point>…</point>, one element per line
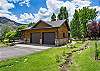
<point>25,11</point>
<point>36,4</point>
<point>95,2</point>
<point>33,8</point>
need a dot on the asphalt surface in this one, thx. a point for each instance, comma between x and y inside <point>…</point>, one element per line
<point>20,50</point>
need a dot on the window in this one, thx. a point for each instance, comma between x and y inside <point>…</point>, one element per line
<point>64,35</point>
<point>68,35</point>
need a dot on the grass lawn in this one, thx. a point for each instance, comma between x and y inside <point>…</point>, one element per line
<point>46,60</point>
<point>41,61</point>
<point>85,61</point>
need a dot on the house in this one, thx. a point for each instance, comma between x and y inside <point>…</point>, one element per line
<point>50,33</point>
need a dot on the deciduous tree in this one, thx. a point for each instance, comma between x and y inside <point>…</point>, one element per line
<point>85,14</point>
<point>75,24</point>
<point>80,20</point>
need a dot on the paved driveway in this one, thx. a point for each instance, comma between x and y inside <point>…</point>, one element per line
<point>20,50</point>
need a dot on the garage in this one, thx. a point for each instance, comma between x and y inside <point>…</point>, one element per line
<point>47,33</point>
<point>35,38</point>
<point>48,38</point>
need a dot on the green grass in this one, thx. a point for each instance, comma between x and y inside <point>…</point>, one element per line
<point>78,44</point>
<point>41,61</point>
<point>85,61</point>
<point>98,47</point>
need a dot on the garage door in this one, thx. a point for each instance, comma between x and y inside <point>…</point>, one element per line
<point>36,38</point>
<point>49,38</point>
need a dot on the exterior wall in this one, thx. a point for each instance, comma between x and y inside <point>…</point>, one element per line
<point>61,41</point>
<point>61,30</point>
<point>59,38</point>
<point>26,37</point>
<point>26,34</point>
<point>41,25</point>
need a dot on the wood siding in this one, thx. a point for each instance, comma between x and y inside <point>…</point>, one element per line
<point>61,30</point>
<point>27,32</point>
<point>41,25</point>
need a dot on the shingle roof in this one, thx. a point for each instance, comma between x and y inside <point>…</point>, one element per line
<point>57,23</point>
<point>52,24</point>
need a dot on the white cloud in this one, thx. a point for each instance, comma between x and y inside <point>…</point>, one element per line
<point>26,15</point>
<point>98,11</point>
<point>10,16</point>
<point>53,6</point>
<point>15,1</point>
<point>98,15</point>
<point>26,2</point>
<point>26,18</point>
<point>97,8</point>
<point>43,13</point>
<point>76,4</point>
<point>80,0</point>
<point>23,18</point>
<point>98,18</point>
<point>5,12</point>
<point>4,5</point>
<point>21,2</point>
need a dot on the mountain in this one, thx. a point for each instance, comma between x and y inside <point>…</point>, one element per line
<point>6,21</point>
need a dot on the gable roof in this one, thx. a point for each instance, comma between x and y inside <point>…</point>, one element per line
<point>57,23</point>
<point>51,24</point>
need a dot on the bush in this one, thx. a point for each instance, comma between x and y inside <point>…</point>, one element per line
<point>11,36</point>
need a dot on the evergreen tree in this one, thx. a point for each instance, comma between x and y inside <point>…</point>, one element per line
<point>53,17</point>
<point>63,14</point>
<point>31,24</point>
<point>75,24</point>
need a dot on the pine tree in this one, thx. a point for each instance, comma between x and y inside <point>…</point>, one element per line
<point>63,14</point>
<point>53,17</point>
